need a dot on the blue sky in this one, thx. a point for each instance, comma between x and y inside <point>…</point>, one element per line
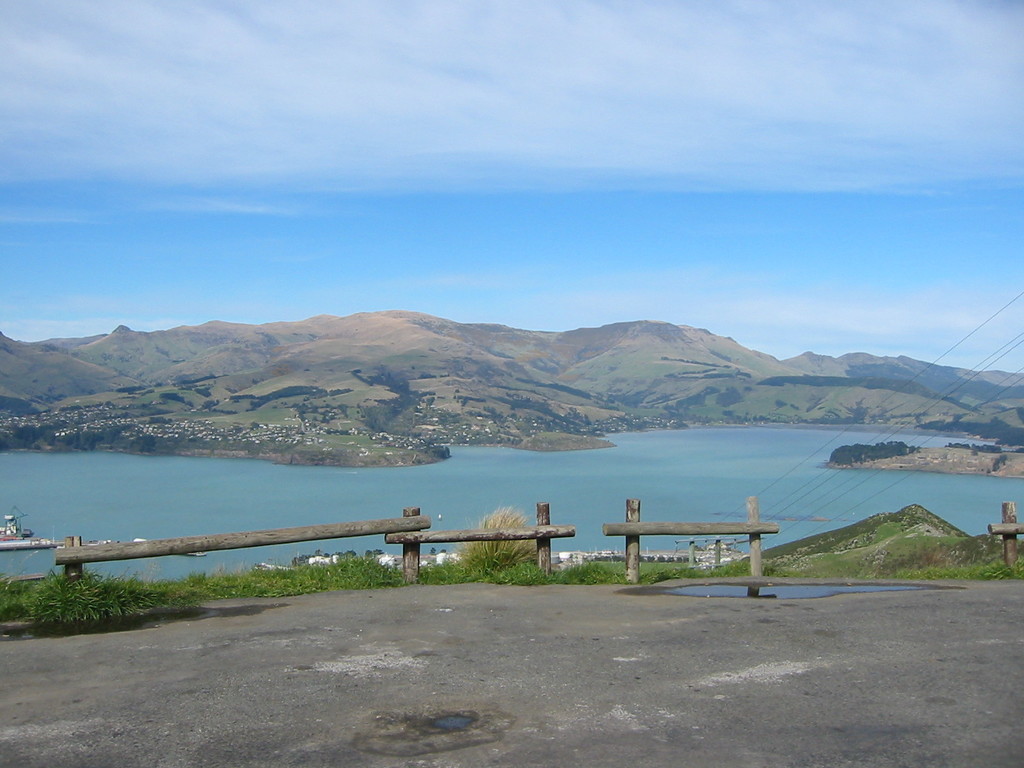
<point>825,176</point>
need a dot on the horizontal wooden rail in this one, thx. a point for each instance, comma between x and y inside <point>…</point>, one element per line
<point>1007,529</point>
<point>483,534</point>
<point>633,529</point>
<point>542,533</point>
<point>687,529</point>
<point>184,545</point>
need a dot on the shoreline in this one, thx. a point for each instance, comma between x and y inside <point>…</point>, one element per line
<point>562,443</point>
<point>948,461</point>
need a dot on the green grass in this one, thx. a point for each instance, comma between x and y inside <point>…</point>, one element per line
<point>982,572</point>
<point>95,598</point>
<point>348,573</point>
<point>88,599</point>
<point>14,599</point>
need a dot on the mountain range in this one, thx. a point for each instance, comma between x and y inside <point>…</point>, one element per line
<point>408,382</point>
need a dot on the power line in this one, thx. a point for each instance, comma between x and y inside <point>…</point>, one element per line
<point>810,487</point>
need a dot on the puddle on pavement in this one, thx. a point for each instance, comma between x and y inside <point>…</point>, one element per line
<point>406,734</point>
<point>147,620</point>
<point>454,722</point>
<point>784,591</point>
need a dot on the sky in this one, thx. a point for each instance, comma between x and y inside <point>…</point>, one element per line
<point>830,176</point>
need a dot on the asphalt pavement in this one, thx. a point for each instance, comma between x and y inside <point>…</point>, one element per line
<point>484,675</point>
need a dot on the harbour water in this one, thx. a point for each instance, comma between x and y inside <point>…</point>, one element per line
<point>695,474</point>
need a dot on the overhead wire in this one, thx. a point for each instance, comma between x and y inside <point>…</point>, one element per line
<point>826,479</point>
<point>808,488</point>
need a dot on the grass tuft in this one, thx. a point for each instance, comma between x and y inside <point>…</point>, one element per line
<point>92,597</point>
<point>487,557</point>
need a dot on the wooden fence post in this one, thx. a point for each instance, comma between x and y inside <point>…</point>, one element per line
<point>411,552</point>
<point>73,571</point>
<point>633,543</point>
<point>1010,542</point>
<point>544,545</point>
<point>754,516</point>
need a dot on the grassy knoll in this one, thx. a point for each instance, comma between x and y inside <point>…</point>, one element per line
<point>889,545</point>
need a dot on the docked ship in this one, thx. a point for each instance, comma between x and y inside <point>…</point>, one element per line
<point>14,536</point>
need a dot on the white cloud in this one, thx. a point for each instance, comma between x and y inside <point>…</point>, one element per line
<point>784,95</point>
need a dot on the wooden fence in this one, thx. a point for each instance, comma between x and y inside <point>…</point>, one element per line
<point>1009,529</point>
<point>633,529</point>
<point>409,531</point>
<point>543,532</point>
<point>74,555</point>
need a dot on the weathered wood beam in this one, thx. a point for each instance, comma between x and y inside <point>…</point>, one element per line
<point>1009,536</point>
<point>632,541</point>
<point>483,534</point>
<point>544,544</point>
<point>754,518</point>
<point>687,529</point>
<point>97,553</point>
<point>411,552</point>
<point>1007,529</point>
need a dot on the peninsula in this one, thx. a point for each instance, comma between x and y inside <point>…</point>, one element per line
<point>953,459</point>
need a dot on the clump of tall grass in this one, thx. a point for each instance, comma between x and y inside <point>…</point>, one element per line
<point>491,556</point>
<point>92,597</point>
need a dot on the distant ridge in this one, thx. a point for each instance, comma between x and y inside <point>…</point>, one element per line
<point>430,381</point>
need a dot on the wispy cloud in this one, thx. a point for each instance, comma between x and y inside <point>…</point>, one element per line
<point>440,94</point>
<point>37,216</point>
<point>217,205</point>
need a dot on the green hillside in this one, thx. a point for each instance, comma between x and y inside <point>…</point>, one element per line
<point>392,387</point>
<point>884,545</point>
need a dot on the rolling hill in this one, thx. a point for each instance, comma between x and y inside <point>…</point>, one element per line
<point>884,545</point>
<point>408,383</point>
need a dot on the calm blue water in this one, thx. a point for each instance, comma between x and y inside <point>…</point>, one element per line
<point>696,474</point>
